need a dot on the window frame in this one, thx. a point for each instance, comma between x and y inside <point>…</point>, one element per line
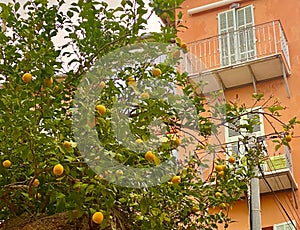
<point>229,139</point>
<point>285,225</point>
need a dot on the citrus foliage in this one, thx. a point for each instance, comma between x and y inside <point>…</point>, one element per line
<point>43,171</point>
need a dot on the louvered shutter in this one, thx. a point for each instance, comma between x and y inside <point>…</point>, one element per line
<point>227,39</point>
<point>246,33</point>
<point>285,226</point>
<point>236,35</point>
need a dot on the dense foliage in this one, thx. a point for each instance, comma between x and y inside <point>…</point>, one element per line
<point>37,133</point>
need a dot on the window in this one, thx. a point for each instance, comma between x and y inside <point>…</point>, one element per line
<point>237,35</point>
<point>285,226</point>
<point>268,228</point>
<point>232,135</point>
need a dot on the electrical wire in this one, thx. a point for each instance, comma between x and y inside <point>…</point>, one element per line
<point>292,210</point>
<point>277,177</point>
<point>278,200</point>
<point>284,217</point>
<point>272,136</point>
<point>285,195</point>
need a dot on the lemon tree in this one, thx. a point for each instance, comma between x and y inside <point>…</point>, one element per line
<point>46,52</point>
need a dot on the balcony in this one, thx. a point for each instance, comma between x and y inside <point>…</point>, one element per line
<point>237,58</point>
<point>278,171</point>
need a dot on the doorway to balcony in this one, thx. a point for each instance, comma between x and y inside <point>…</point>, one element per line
<point>236,35</point>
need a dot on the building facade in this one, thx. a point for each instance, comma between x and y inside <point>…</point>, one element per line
<point>245,47</point>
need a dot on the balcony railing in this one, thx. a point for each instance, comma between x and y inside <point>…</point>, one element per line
<point>281,161</point>
<point>236,47</point>
<point>278,171</point>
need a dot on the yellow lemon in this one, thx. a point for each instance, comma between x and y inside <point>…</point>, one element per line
<point>177,141</point>
<point>98,217</point>
<point>157,72</point>
<point>145,95</point>
<point>139,141</point>
<point>288,138</point>
<point>231,160</point>
<point>27,77</point>
<point>6,163</point>
<point>176,179</point>
<point>223,167</point>
<point>119,173</point>
<point>58,170</point>
<point>38,196</point>
<point>178,40</point>
<point>101,109</point>
<point>149,156</point>
<point>48,81</point>
<point>183,45</point>
<point>67,144</point>
<point>131,81</point>
<point>221,173</point>
<point>219,168</point>
<point>218,194</point>
<point>36,183</point>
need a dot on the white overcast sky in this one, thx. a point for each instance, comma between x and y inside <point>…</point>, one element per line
<point>153,22</point>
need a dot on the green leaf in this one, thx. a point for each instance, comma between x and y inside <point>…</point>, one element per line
<point>155,211</point>
<point>70,14</point>
<point>123,200</point>
<point>144,205</point>
<point>277,147</point>
<point>275,108</point>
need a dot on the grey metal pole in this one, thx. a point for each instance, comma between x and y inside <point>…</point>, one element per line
<point>255,211</point>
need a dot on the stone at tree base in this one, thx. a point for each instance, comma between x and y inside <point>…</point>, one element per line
<point>59,221</point>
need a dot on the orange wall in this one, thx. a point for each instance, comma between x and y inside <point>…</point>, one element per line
<point>269,211</point>
<point>205,25</point>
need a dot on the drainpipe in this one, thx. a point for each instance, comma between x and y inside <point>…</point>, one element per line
<point>255,210</point>
<point>211,6</point>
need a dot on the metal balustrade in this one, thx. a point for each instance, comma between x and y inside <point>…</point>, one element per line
<point>236,47</point>
<point>278,171</point>
<point>280,161</point>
